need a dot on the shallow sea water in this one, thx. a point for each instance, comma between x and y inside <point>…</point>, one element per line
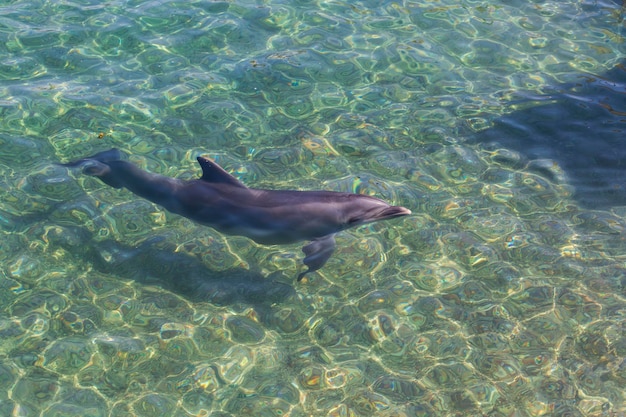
<point>500,296</point>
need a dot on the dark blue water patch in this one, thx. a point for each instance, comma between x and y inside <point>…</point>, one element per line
<point>581,127</point>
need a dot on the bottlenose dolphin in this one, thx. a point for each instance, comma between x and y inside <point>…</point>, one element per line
<point>221,201</point>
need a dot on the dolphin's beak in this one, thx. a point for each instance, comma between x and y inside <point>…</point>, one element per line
<point>376,214</point>
<point>392,211</point>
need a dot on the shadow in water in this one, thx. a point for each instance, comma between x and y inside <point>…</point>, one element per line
<point>581,127</point>
<point>155,262</point>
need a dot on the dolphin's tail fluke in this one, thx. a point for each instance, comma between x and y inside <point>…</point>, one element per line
<point>112,170</point>
<point>112,154</point>
<point>97,166</point>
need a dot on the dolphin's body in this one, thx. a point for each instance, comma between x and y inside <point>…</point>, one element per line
<point>219,200</point>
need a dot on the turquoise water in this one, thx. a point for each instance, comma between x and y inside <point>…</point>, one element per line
<point>501,295</point>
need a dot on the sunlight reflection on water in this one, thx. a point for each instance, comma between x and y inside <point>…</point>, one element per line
<point>499,295</point>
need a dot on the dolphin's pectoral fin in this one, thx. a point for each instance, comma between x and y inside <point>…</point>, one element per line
<point>317,252</point>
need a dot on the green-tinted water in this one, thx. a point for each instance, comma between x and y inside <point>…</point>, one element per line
<point>499,296</point>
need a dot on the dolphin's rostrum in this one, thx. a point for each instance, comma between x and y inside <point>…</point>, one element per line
<point>219,200</point>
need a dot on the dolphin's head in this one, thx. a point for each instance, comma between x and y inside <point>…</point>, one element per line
<point>365,209</point>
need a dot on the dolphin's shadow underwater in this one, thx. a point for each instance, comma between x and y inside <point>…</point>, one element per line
<point>219,200</point>
<point>155,262</point>
<point>582,128</point>
<point>187,276</point>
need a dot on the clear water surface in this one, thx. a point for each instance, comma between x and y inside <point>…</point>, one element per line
<point>500,296</point>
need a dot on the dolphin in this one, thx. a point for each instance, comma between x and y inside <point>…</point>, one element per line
<point>221,201</point>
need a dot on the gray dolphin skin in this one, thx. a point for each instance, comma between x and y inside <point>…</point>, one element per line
<point>270,217</point>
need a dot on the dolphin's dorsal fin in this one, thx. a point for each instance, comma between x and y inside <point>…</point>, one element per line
<point>211,172</point>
